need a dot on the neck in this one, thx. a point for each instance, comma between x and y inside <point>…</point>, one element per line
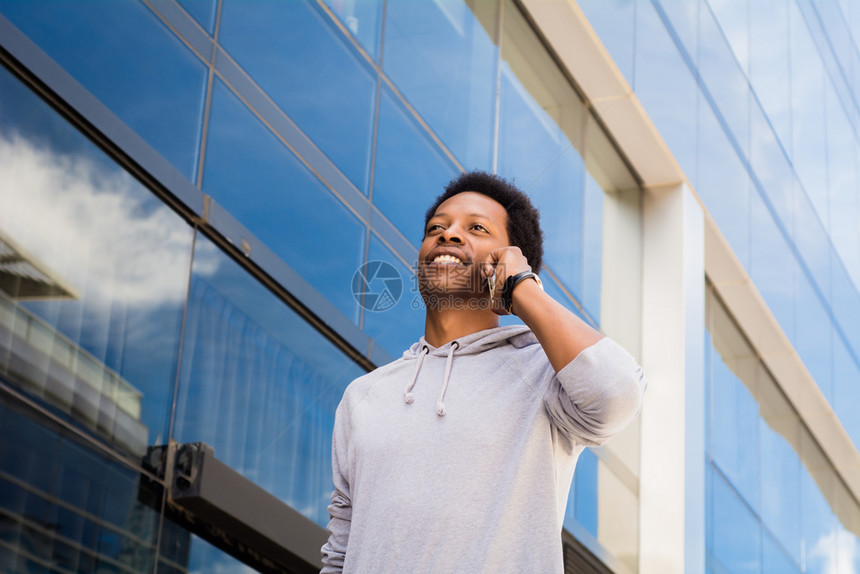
<point>443,326</point>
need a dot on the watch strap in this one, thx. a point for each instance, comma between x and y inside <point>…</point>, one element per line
<point>511,282</point>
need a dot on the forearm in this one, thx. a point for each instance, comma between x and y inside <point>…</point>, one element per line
<point>340,522</point>
<point>562,334</point>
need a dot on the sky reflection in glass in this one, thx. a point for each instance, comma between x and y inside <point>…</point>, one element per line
<point>397,327</point>
<point>91,502</point>
<point>363,19</point>
<point>735,533</point>
<point>592,281</point>
<point>102,346</point>
<point>269,190</point>
<point>203,11</point>
<point>297,55</point>
<point>443,60</point>
<point>665,87</point>
<point>259,385</point>
<point>537,154</point>
<point>410,169</point>
<point>615,23</point>
<point>148,77</point>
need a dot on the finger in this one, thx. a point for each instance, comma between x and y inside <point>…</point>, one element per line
<point>488,266</point>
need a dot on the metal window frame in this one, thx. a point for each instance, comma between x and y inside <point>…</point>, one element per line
<point>68,97</point>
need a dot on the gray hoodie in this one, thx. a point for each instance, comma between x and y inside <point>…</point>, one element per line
<point>460,458</point>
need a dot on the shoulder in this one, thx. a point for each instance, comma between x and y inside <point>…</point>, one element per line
<point>525,356</point>
<point>360,387</point>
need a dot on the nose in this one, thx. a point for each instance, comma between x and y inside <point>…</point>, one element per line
<point>450,234</point>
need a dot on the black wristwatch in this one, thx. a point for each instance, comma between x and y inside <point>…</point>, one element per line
<point>511,282</point>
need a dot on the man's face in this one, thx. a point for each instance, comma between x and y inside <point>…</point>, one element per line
<point>459,236</point>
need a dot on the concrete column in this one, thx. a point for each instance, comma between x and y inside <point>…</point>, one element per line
<point>672,485</point>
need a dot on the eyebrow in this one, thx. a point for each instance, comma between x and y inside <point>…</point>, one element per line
<point>481,215</point>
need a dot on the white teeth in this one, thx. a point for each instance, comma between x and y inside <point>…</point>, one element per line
<point>447,259</point>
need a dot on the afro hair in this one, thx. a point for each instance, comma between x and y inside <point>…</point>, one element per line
<point>523,229</point>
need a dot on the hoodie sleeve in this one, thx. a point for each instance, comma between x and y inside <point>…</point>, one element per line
<point>340,510</point>
<point>597,394</point>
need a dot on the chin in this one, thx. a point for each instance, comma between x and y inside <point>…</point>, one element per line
<point>446,280</point>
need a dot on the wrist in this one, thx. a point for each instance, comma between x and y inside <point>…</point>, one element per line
<point>511,288</point>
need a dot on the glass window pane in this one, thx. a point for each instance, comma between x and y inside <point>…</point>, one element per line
<point>813,336</point>
<point>721,73</point>
<point>684,20</point>
<point>813,242</point>
<point>203,11</point>
<point>395,328</point>
<point>735,532</point>
<point>770,72</point>
<point>774,558</point>
<point>723,183</point>
<point>540,135</point>
<point>303,62</point>
<point>735,427</point>
<point>259,385</point>
<point>819,527</point>
<point>779,435</point>
<point>362,18</point>
<point>772,265</point>
<point>269,190</point>
<point>808,121</point>
<point>833,19</point>
<point>91,310</point>
<point>556,292</point>
<point>846,305</point>
<point>773,173</point>
<point>732,17</point>
<point>800,489</point>
<point>666,87</point>
<point>846,390</point>
<point>442,56</point>
<point>842,183</point>
<point>410,169</point>
<point>615,23</point>
<point>584,492</point>
<point>593,247</point>
<point>148,77</point>
<point>198,555</point>
<point>66,505</point>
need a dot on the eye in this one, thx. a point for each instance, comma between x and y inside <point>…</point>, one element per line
<point>480,227</point>
<point>432,227</point>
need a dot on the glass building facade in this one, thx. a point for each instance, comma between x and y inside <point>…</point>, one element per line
<point>198,199</point>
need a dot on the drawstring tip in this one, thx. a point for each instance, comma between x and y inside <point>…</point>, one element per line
<point>440,409</point>
<point>408,398</point>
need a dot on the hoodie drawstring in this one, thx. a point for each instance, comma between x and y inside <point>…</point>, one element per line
<point>440,406</point>
<point>409,397</point>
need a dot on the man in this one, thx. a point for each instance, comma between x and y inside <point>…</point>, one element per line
<point>458,457</point>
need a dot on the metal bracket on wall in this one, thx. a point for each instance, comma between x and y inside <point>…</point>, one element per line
<point>229,511</point>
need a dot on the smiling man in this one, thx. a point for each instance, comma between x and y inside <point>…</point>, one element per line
<point>458,457</point>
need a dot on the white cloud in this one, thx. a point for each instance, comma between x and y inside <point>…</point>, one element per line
<point>838,551</point>
<point>96,228</point>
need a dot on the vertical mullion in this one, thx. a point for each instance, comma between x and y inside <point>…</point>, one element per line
<point>499,40</point>
<point>207,106</point>
<point>374,138</point>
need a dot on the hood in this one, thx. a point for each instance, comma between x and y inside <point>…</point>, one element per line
<point>517,335</point>
<point>474,343</point>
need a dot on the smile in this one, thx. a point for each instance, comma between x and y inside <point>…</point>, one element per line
<point>447,259</point>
